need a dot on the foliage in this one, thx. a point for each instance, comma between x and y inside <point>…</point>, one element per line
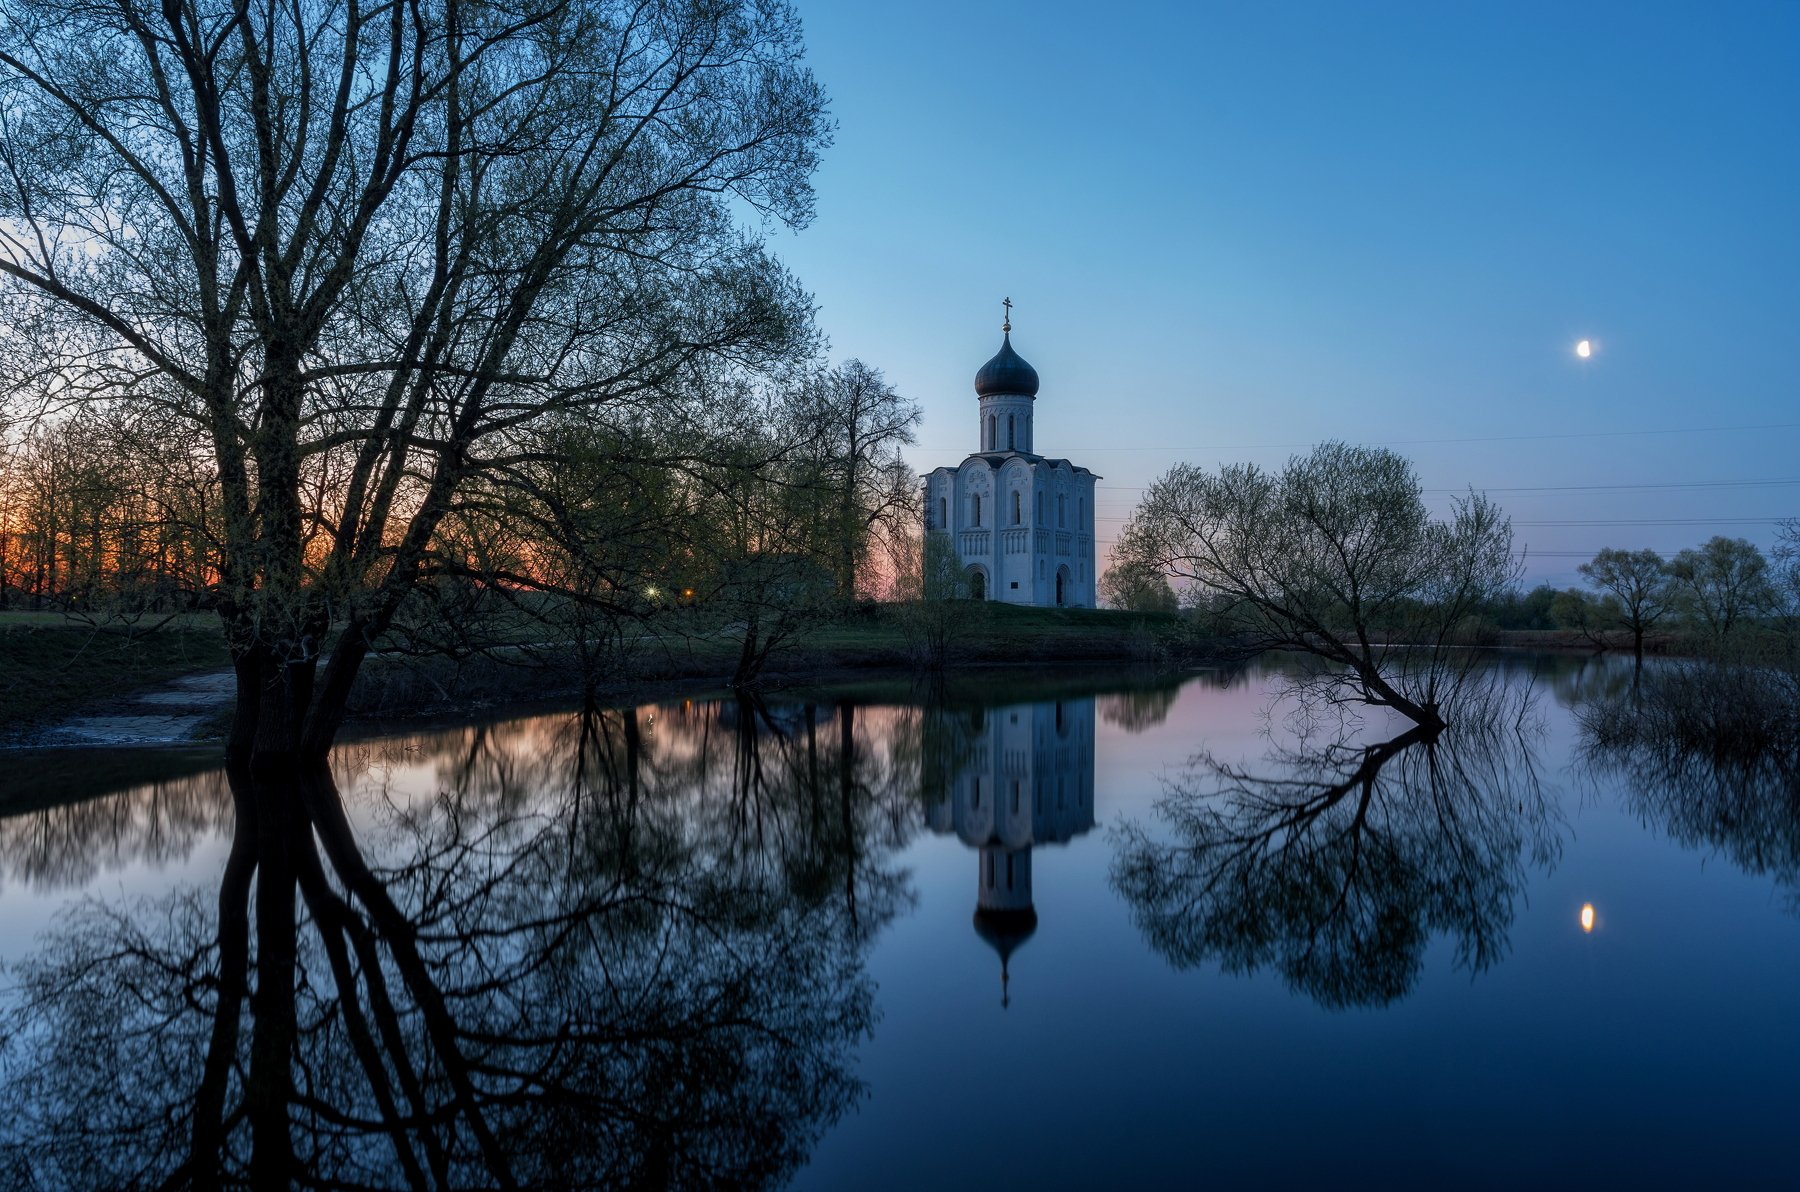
<point>361,256</point>
<point>1137,587</point>
<point>1335,555</point>
<point>1722,583</point>
<point>935,611</point>
<point>1637,588</point>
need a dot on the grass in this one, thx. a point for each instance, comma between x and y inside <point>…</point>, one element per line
<point>51,667</point>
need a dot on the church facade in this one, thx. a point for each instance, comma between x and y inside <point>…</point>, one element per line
<point>1007,781</point>
<point>1022,523</point>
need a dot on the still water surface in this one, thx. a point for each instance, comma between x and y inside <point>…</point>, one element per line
<point>1159,935</point>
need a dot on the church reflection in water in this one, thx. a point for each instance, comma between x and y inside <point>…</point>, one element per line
<point>1005,781</point>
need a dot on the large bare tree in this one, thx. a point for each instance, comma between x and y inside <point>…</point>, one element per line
<point>360,250</point>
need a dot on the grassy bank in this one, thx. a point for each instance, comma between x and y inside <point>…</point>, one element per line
<point>51,667</point>
<point>867,642</point>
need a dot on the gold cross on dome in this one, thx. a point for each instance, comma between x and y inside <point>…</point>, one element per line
<point>1007,303</point>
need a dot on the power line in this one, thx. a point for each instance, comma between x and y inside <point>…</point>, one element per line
<point>1590,434</point>
<point>1655,521</point>
<point>1648,486</point>
<point>1619,521</point>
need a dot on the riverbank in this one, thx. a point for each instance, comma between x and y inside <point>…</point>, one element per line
<point>53,667</point>
<point>67,685</point>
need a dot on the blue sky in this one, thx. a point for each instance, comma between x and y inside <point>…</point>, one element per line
<point>1232,230</point>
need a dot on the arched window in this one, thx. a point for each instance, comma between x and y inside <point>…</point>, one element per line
<point>977,510</point>
<point>943,513</point>
<point>1081,513</point>
<point>990,442</point>
<point>1009,432</point>
<point>1016,513</point>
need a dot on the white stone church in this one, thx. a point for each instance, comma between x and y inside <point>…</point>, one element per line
<point>1022,523</point>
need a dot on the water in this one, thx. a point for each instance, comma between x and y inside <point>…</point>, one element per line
<point>733,943</point>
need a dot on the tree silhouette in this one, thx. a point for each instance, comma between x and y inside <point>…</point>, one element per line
<point>1711,754</point>
<point>1338,865</point>
<point>609,952</point>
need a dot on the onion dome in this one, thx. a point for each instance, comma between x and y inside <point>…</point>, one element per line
<point>1007,373</point>
<point>1004,931</point>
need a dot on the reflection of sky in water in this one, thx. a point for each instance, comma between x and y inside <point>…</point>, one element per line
<point>1658,1049</point>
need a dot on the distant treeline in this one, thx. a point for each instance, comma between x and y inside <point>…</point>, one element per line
<point>87,516</point>
<point>800,499</point>
<point>1723,592</point>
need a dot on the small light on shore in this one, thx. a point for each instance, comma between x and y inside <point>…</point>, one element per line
<point>1587,917</point>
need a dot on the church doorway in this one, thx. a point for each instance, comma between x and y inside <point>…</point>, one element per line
<point>1062,586</point>
<point>978,584</point>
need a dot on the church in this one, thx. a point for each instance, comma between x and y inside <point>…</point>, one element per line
<point>1007,781</point>
<point>1022,523</point>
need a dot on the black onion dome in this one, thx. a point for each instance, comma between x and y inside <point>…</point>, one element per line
<point>1007,373</point>
<point>1006,930</point>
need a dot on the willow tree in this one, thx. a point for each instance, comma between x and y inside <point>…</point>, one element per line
<point>1335,555</point>
<point>360,250</point>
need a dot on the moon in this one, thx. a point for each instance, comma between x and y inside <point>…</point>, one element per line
<point>1584,349</point>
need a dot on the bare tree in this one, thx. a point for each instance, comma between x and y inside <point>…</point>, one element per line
<point>1639,581</point>
<point>1335,555</point>
<point>360,251</point>
<point>855,425</point>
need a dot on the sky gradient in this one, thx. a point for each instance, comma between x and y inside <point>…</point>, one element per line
<point>1233,230</point>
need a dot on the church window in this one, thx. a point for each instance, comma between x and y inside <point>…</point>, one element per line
<point>1015,796</point>
<point>1081,513</point>
<point>943,513</point>
<point>1009,431</point>
<point>1040,509</point>
<point>990,442</point>
<point>1016,515</point>
<point>978,510</point>
<point>1061,506</point>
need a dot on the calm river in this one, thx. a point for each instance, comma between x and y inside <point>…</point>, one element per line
<point>1152,935</point>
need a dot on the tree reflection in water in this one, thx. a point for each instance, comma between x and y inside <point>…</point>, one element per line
<point>1339,863</point>
<point>607,953</point>
<point>1711,753</point>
